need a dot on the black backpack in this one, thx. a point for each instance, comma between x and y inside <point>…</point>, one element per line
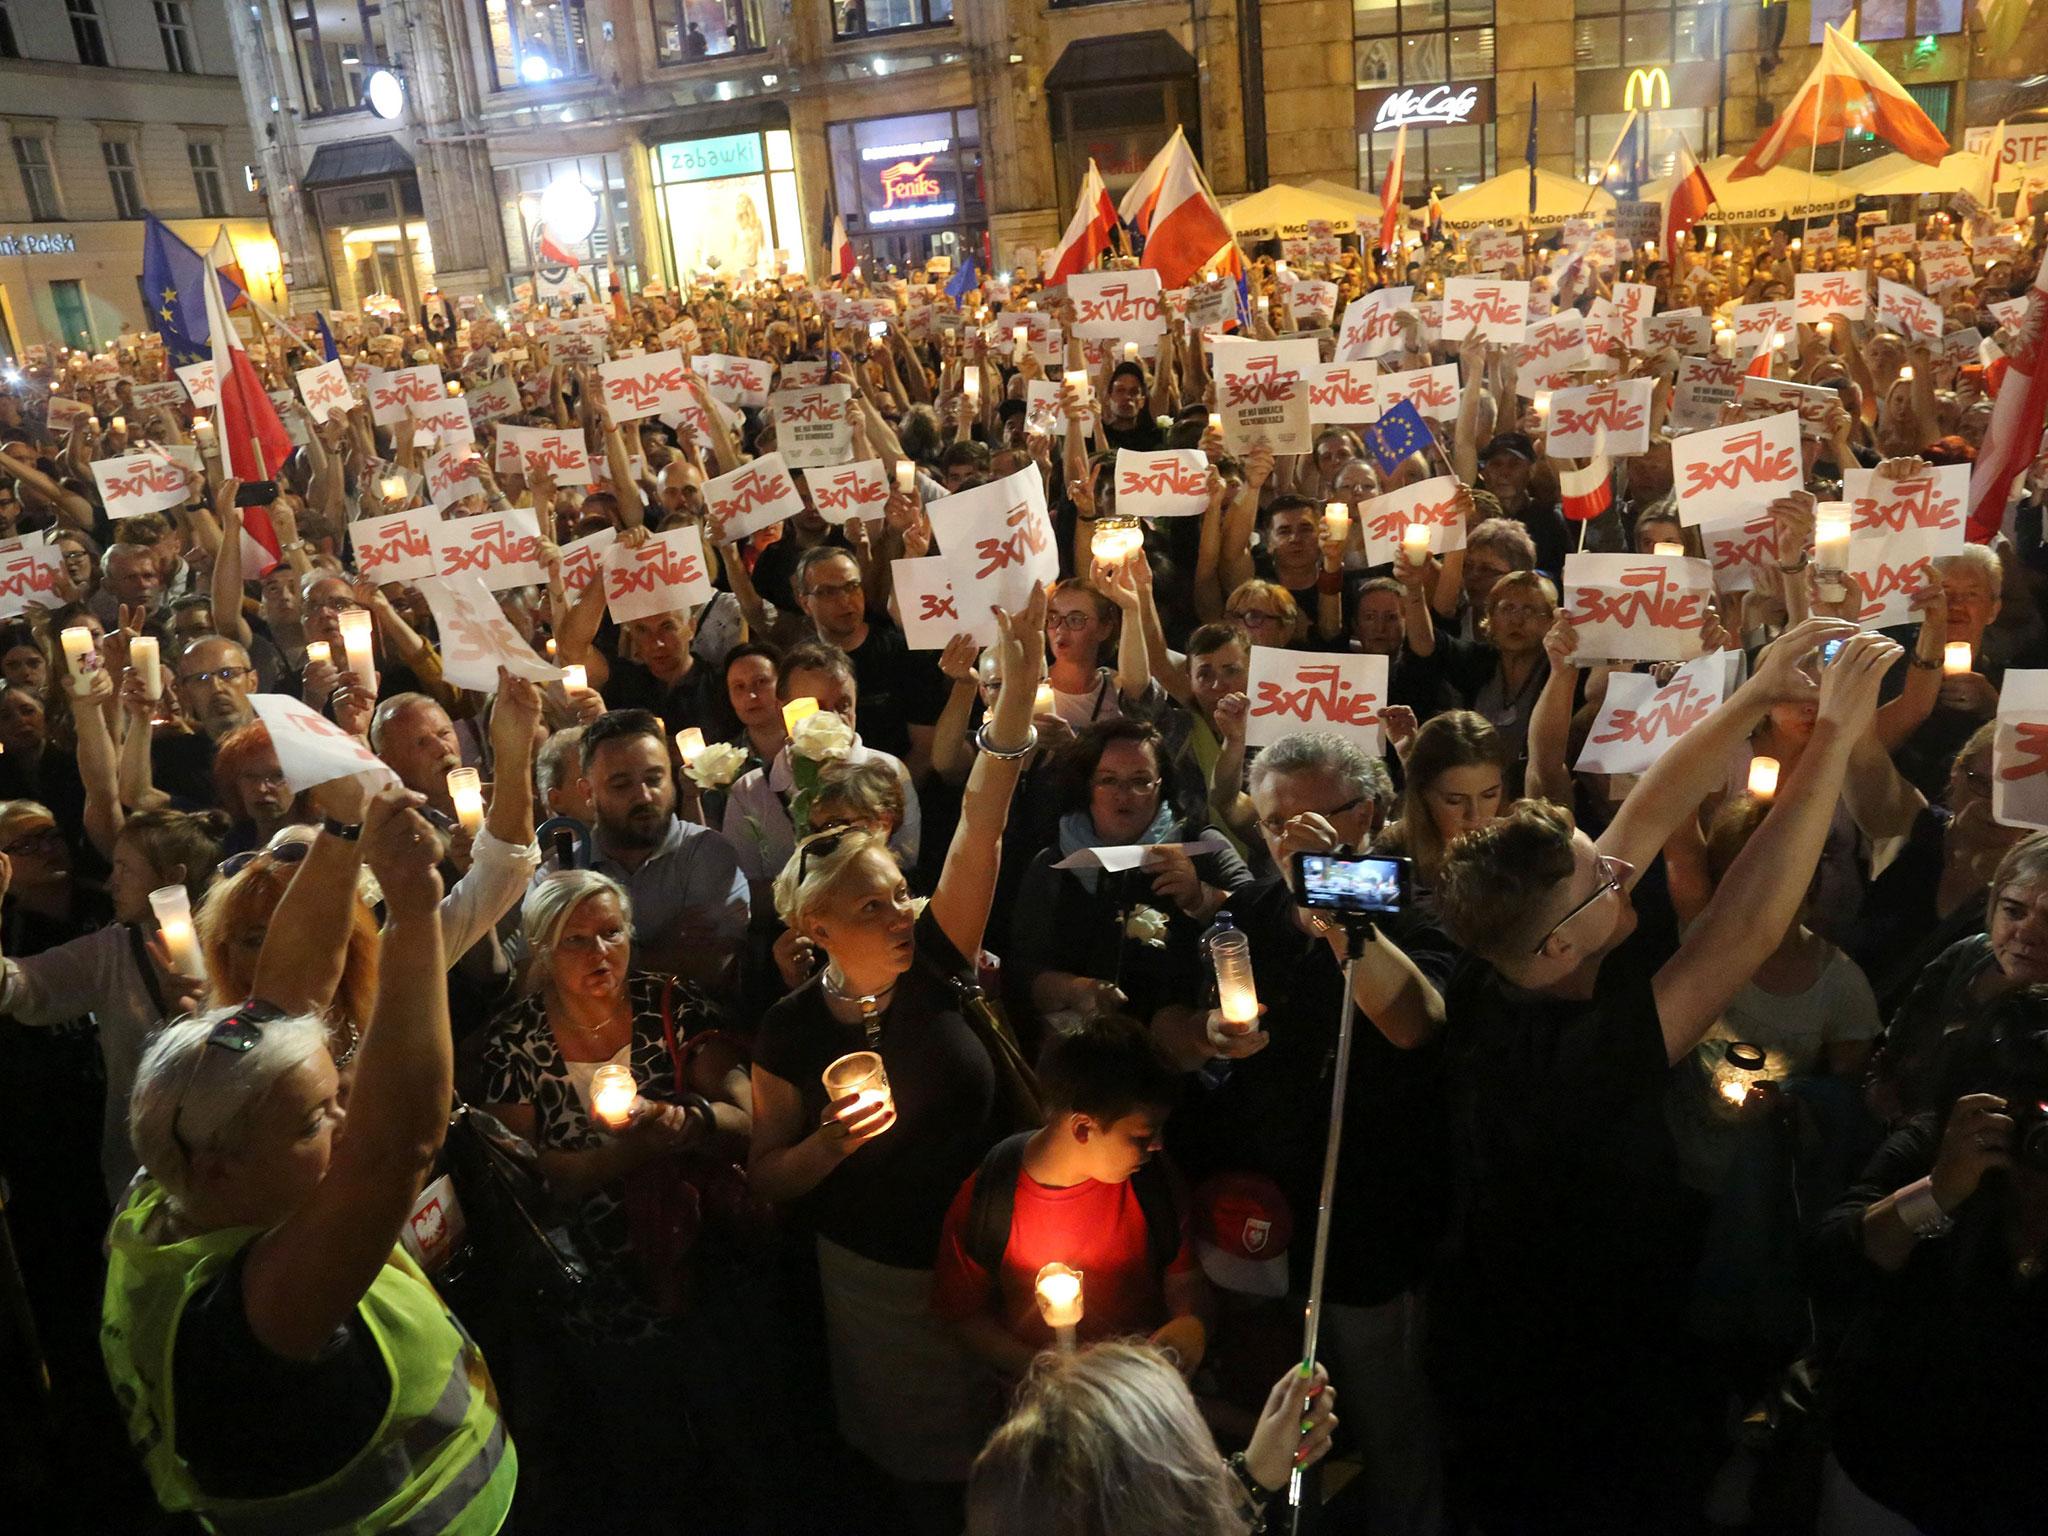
<point>994,1203</point>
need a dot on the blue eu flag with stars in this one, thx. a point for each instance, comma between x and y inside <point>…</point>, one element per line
<point>1398,433</point>
<point>173,279</point>
<point>966,280</point>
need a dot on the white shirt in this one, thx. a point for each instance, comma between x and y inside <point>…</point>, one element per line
<point>757,820</point>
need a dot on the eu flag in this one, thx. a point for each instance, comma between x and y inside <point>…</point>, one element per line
<point>1399,433</point>
<point>965,281</point>
<point>173,278</point>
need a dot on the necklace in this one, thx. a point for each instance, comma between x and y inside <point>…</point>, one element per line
<point>870,1004</point>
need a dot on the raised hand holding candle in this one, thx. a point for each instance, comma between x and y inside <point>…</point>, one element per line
<point>1956,658</point>
<point>689,744</point>
<point>1114,541</point>
<point>612,1094</point>
<point>1831,542</point>
<point>173,909</point>
<point>1763,777</point>
<point>466,789</point>
<point>392,488</point>
<point>1415,543</point>
<point>81,659</point>
<point>906,477</point>
<point>145,660</point>
<point>575,678</point>
<point>1337,519</point>
<point>970,386</point>
<point>1058,1290</point>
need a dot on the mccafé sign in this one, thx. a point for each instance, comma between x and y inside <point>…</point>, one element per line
<point>1425,106</point>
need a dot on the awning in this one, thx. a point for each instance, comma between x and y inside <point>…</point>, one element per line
<point>359,160</point>
<point>1120,60</point>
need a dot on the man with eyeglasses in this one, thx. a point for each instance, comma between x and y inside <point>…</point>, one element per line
<point>895,688</point>
<point>214,680</point>
<point>1559,1306</point>
<point>1268,1112</point>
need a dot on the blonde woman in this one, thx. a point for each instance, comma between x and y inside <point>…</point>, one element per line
<point>873,1179</point>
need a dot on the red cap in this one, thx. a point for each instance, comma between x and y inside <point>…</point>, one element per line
<point>1242,1228</point>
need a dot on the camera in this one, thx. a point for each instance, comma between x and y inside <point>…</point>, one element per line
<point>1351,884</point>
<point>2017,1071</point>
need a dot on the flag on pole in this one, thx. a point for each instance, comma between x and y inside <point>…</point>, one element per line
<point>1390,193</point>
<point>229,266</point>
<point>245,418</point>
<point>1434,231</point>
<point>1847,90</point>
<point>1186,228</point>
<point>2013,437</point>
<point>174,282</point>
<point>840,262</point>
<point>553,255</point>
<point>1089,231</point>
<point>1529,153</point>
<point>1587,492</point>
<point>329,352</point>
<point>1686,203</point>
<point>965,281</point>
<point>1142,198</point>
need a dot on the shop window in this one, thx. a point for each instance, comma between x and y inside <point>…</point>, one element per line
<point>728,204</point>
<point>521,190</point>
<point>688,30</point>
<point>174,31</point>
<point>127,188</point>
<point>74,321</point>
<point>1449,158</point>
<point>1880,20</point>
<point>1614,34</point>
<point>534,42</point>
<point>86,33</point>
<point>9,48</point>
<point>1402,42</point>
<point>1652,147</point>
<point>858,18</point>
<point>338,47</point>
<point>910,187</point>
<point>38,181</point>
<point>205,161</point>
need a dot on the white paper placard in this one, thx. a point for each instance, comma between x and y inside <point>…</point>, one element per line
<point>451,475</point>
<point>476,638</point>
<point>1294,691</point>
<point>311,749</point>
<point>199,384</point>
<point>1728,473</point>
<point>1262,393</point>
<point>1384,519</point>
<point>1343,394</point>
<point>1120,306</point>
<point>1756,324</point>
<point>1370,328</point>
<point>736,380</point>
<point>499,397</point>
<point>1637,607</point>
<point>1173,482</point>
<point>325,390</point>
<point>29,568</point>
<point>811,429</point>
<point>557,451</point>
<point>1742,554</point>
<point>1432,391</point>
<point>1886,571</point>
<point>1639,720</point>
<point>1496,309</point>
<point>841,492</point>
<point>583,560</point>
<point>2019,751</point>
<point>666,574</point>
<point>649,385</point>
<point>1600,419</point>
<point>1913,314</point>
<point>500,549</point>
<point>398,547</point>
<point>1685,331</point>
<point>1818,296</point>
<point>135,483</point>
<point>752,497</point>
<point>998,541</point>
<point>1937,499</point>
<point>931,612</point>
<point>393,395</point>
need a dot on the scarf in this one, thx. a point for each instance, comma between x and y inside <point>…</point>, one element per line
<point>1077,831</point>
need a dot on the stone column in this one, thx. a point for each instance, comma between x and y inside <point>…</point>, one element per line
<point>1016,133</point>
<point>457,194</point>
<point>265,71</point>
<point>1533,45</point>
<point>1309,90</point>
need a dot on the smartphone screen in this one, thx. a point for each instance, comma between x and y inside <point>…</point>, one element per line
<point>1351,882</point>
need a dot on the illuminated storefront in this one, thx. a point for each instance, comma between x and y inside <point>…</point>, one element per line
<point>910,188</point>
<point>728,204</point>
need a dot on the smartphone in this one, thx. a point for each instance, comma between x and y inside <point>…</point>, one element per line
<point>256,493</point>
<point>1830,651</point>
<point>1368,883</point>
<point>877,329</point>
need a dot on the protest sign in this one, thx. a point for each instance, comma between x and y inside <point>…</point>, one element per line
<point>1116,306</point>
<point>1432,391</point>
<point>1686,331</point>
<point>501,549</point>
<point>1551,347</point>
<point>752,497</point>
<point>1913,314</point>
<point>451,475</point>
<point>134,483</point>
<point>665,574</point>
<point>198,381</point>
<point>1637,607</point>
<point>2019,751</point>
<point>1743,554</point>
<point>1639,719</point>
<point>931,613</point>
<point>325,390</point>
<point>1813,404</point>
<point>558,454</point>
<point>487,402</point>
<point>1262,393</point>
<point>396,547</point>
<point>160,397</point>
<point>1756,324</point>
<point>1725,473</point>
<point>736,380</point>
<point>1370,329</point>
<point>1492,308</point>
<point>1818,296</point>
<point>393,395</point>
<point>1886,571</point>
<point>650,385</point>
<point>445,422</point>
<point>29,568</point>
<point>1172,482</point>
<point>475,636</point>
<point>1343,394</point>
<point>313,750</point>
<point>811,429</point>
<point>1308,691</point>
<point>998,541</point>
<point>840,492</point>
<point>1436,502</point>
<point>583,560</point>
<point>1601,419</point>
<point>1943,264</point>
<point>799,373</point>
<point>1936,499</point>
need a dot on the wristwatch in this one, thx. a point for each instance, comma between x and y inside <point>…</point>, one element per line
<point>1914,658</point>
<point>347,830</point>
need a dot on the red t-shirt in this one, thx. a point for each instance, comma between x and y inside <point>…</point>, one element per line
<point>1096,1228</point>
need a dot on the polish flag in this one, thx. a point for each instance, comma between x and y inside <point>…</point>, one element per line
<point>1587,492</point>
<point>2013,437</point>
<point>253,439</point>
<point>1142,197</point>
<point>1088,232</point>
<point>1187,230</point>
<point>1848,90</point>
<point>1687,201</point>
<point>840,262</point>
<point>229,266</point>
<point>554,255</point>
<point>1390,193</point>
<point>1760,365</point>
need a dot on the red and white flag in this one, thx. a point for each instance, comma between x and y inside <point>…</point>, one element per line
<point>254,440</point>
<point>1390,192</point>
<point>1687,201</point>
<point>839,261</point>
<point>1088,232</point>
<point>1848,91</point>
<point>1141,199</point>
<point>1187,231</point>
<point>1587,492</point>
<point>2017,413</point>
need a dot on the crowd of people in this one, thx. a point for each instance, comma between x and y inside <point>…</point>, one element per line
<point>799,1096</point>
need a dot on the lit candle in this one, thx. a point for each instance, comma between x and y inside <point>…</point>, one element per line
<point>906,477</point>
<point>466,790</point>
<point>1796,244</point>
<point>689,744</point>
<point>1237,997</point>
<point>173,909</point>
<point>318,653</point>
<point>392,487</point>
<point>1542,403</point>
<point>861,1074</point>
<point>1763,777</point>
<point>1059,1301</point>
<point>79,656</point>
<point>1826,327</point>
<point>1831,542</point>
<point>454,388</point>
<point>145,661</point>
<point>1115,540</point>
<point>1337,519</point>
<point>355,645</point>
<point>1215,421</point>
<point>1022,336</point>
<point>1045,701</point>
<point>1265,304</point>
<point>1415,543</point>
<point>1077,380</point>
<point>202,431</point>
<point>797,709</point>
<point>575,678</point>
<point>550,643</point>
<point>1956,658</point>
<point>1906,374</point>
<point>1130,351</point>
<point>1663,548</point>
<point>612,1094</point>
<point>1712,237</point>
<point>120,425</point>
<point>970,386</point>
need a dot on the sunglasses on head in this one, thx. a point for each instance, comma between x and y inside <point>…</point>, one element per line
<point>293,852</point>
<point>237,1035</point>
<point>821,844</point>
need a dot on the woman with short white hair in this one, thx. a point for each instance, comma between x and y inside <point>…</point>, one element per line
<point>1109,1442</point>
<point>284,1365</point>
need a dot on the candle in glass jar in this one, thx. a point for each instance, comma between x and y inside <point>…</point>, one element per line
<point>1058,1290</point>
<point>797,709</point>
<point>1763,777</point>
<point>392,487</point>
<point>1956,658</point>
<point>861,1074</point>
<point>1116,541</point>
<point>1831,542</point>
<point>575,678</point>
<point>466,790</point>
<point>145,661</point>
<point>1664,548</point>
<point>1237,998</point>
<point>689,744</point>
<point>173,909</point>
<point>1337,519</point>
<point>318,653</point>
<point>612,1094</point>
<point>79,656</point>
<point>1415,543</point>
<point>355,645</point>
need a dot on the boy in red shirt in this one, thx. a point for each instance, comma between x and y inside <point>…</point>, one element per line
<point>1084,1191</point>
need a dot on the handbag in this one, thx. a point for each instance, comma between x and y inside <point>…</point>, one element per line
<point>519,1241</point>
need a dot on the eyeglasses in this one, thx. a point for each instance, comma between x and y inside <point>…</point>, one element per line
<point>1614,875</point>
<point>841,589</point>
<point>293,852</point>
<point>331,604</point>
<point>41,840</point>
<point>1143,786</point>
<point>1275,826</point>
<point>237,1034</point>
<point>1251,618</point>
<point>226,677</point>
<point>1520,611</point>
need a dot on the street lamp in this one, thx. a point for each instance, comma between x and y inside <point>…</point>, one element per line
<point>569,209</point>
<point>385,93</point>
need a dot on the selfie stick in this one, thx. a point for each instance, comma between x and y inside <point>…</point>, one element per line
<point>1355,932</point>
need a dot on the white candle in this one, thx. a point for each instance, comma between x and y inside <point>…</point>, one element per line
<point>575,678</point>
<point>1077,381</point>
<point>1021,335</point>
<point>970,386</point>
<point>466,789</point>
<point>1215,421</point>
<point>1831,542</point>
<point>173,909</point>
<point>797,709</point>
<point>1826,327</point>
<point>79,656</point>
<point>1956,658</point>
<point>120,424</point>
<point>454,388</point>
<point>1542,403</point>
<point>612,1094</point>
<point>319,653</point>
<point>1337,518</point>
<point>1237,997</point>
<point>202,430</point>
<point>689,744</point>
<point>906,477</point>
<point>550,647</point>
<point>1906,374</point>
<point>1763,777</point>
<point>1415,543</point>
<point>147,663</point>
<point>1663,548</point>
<point>355,643</point>
<point>1130,351</point>
<point>1045,701</point>
<point>1265,304</point>
<point>1058,1289</point>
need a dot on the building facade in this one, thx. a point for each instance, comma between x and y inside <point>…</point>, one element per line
<point>724,134</point>
<point>113,108</point>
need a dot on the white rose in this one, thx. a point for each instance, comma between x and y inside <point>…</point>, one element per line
<point>822,737</point>
<point>717,765</point>
<point>1147,925</point>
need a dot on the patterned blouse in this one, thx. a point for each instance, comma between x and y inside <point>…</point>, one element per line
<point>523,1064</point>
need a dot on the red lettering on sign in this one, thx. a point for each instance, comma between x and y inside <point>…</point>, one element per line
<point>1318,693</point>
<point>25,575</point>
<point>2031,741</point>
<point>145,477</point>
<point>1425,390</point>
<point>847,492</point>
<point>493,544</point>
<point>933,606</point>
<point>1604,410</point>
<point>1115,304</point>
<point>810,407</point>
<point>1163,477</point>
<point>1345,389</point>
<point>909,181</point>
<point>1033,537</point>
<point>1876,585</point>
<point>401,542</point>
<point>1259,382</point>
<point>1647,593</point>
<point>1673,710</point>
<point>1747,459</point>
<point>555,454</point>
<point>1438,514</point>
<point>643,391</point>
<point>1912,504</point>
<point>656,565</point>
<point>1485,306</point>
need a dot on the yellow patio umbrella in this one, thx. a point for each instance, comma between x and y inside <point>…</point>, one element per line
<point>1504,202</point>
<point>1367,205</point>
<point>1782,192</point>
<point>1284,212</point>
<point>1896,175</point>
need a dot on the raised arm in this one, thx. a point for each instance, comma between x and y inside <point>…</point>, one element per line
<point>1549,774</point>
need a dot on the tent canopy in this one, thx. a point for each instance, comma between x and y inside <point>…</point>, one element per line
<point>1504,202</point>
<point>1896,175</point>
<point>1365,203</point>
<point>1782,192</point>
<point>1283,212</point>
